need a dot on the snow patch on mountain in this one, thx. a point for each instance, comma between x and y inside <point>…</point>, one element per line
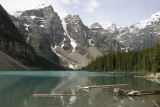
<point>62,43</point>
<point>27,39</point>
<point>112,27</point>
<point>73,43</point>
<point>41,26</point>
<point>85,34</point>
<point>26,26</point>
<point>90,42</point>
<point>70,63</point>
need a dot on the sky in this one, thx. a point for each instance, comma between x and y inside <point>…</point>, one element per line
<point>121,12</point>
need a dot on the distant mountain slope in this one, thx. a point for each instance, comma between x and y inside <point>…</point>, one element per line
<point>7,63</point>
<point>140,35</point>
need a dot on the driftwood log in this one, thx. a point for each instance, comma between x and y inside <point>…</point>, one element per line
<point>135,92</point>
<point>53,95</point>
<point>87,88</point>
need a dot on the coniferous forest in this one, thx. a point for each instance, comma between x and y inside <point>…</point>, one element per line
<point>138,60</point>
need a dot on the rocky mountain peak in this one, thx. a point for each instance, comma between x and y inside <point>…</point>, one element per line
<point>42,28</point>
<point>112,25</point>
<point>45,12</point>
<point>75,19</point>
<point>77,32</point>
<point>41,6</point>
<point>17,14</point>
<point>41,11</point>
<point>153,20</point>
<point>96,26</point>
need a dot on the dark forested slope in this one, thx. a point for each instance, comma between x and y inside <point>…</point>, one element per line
<point>140,60</point>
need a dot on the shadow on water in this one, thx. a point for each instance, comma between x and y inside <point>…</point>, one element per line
<point>18,93</point>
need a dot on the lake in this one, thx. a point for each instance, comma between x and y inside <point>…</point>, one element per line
<point>17,89</point>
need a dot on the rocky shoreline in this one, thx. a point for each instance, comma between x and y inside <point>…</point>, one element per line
<point>153,77</point>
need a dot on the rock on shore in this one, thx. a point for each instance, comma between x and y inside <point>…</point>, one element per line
<point>154,77</point>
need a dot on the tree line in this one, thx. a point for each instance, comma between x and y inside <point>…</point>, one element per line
<point>136,60</point>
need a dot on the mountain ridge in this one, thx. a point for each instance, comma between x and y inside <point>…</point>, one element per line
<point>70,36</point>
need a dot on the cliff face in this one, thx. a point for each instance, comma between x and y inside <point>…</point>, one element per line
<point>99,38</point>
<point>77,34</point>
<point>12,41</point>
<point>7,28</point>
<point>42,29</point>
<point>18,50</point>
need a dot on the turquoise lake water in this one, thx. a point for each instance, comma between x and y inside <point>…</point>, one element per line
<point>17,89</point>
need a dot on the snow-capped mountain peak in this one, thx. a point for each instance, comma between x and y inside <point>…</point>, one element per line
<point>17,14</point>
<point>41,6</point>
<point>96,26</point>
<point>111,25</point>
<point>75,19</point>
<point>156,15</point>
<point>151,21</point>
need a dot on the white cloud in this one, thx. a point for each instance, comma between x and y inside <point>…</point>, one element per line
<point>91,6</point>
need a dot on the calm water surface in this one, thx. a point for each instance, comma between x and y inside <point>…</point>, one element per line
<point>17,88</point>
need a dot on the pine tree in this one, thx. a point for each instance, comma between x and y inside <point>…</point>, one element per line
<point>146,59</point>
<point>156,58</point>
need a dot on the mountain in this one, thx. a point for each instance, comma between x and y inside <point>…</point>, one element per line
<point>38,26</point>
<point>74,43</point>
<point>141,35</point>
<point>17,51</point>
<point>100,38</point>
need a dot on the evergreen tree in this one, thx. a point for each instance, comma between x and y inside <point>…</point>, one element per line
<point>156,58</point>
<point>138,60</point>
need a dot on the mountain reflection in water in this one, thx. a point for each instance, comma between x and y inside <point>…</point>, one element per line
<point>17,91</point>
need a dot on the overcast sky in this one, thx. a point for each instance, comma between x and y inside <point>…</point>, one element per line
<point>122,12</point>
